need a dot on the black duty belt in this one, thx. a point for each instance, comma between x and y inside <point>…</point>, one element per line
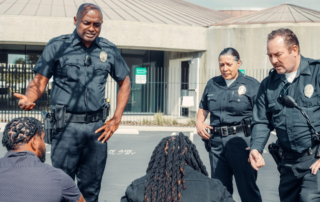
<point>293,156</point>
<point>84,118</point>
<point>227,130</point>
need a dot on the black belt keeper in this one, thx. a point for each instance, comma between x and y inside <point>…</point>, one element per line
<point>227,130</point>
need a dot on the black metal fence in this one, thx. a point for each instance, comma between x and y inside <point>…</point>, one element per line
<point>15,79</point>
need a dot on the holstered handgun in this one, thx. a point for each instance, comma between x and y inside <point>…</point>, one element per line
<point>60,117</point>
<point>207,143</point>
<point>246,125</point>
<point>275,151</point>
<point>48,126</point>
<point>106,109</point>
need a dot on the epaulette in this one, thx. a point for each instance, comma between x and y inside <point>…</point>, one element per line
<point>271,71</point>
<point>314,61</point>
<point>106,41</point>
<point>251,79</point>
<point>58,38</point>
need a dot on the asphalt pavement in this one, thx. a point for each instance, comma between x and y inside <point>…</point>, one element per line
<point>129,154</point>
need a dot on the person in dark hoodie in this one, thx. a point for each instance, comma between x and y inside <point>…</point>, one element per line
<point>176,173</point>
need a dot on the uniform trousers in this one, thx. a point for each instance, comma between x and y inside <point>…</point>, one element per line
<point>228,158</point>
<point>297,183</point>
<point>78,153</point>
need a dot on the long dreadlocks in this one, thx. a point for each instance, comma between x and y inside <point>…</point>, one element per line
<point>20,131</point>
<point>166,168</point>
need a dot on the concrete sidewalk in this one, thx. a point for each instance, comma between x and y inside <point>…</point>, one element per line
<point>134,130</point>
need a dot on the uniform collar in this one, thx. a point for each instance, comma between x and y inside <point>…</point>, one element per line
<point>77,40</point>
<point>303,67</point>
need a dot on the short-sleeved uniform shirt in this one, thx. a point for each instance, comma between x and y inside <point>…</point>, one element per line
<point>229,105</point>
<point>78,86</point>
<point>294,133</point>
<point>23,177</point>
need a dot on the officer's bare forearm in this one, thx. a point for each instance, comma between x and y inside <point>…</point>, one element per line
<point>123,97</point>
<point>202,115</point>
<point>36,87</point>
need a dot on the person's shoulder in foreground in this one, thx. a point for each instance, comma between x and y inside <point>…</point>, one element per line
<point>176,173</point>
<point>199,188</point>
<point>23,174</point>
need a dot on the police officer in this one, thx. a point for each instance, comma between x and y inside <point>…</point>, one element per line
<point>298,77</point>
<point>230,99</point>
<point>80,63</point>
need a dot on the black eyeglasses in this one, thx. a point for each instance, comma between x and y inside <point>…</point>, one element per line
<point>87,60</point>
<point>284,92</point>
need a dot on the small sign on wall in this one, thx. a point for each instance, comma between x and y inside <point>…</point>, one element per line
<point>141,75</point>
<point>242,71</point>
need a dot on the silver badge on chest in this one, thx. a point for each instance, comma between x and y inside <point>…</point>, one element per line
<point>242,90</point>
<point>103,56</point>
<point>308,90</point>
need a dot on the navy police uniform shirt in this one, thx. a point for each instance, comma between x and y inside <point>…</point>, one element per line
<point>78,86</point>
<point>23,177</point>
<point>294,133</point>
<point>229,105</point>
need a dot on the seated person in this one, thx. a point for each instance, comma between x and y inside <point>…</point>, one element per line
<point>23,174</point>
<point>176,173</point>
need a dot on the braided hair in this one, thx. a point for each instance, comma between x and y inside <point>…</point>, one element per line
<point>166,168</point>
<point>19,131</point>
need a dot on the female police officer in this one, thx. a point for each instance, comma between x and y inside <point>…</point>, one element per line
<point>229,98</point>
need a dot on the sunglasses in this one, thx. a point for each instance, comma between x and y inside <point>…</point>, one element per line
<point>284,92</point>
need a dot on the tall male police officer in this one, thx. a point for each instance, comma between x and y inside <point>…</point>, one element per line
<point>80,63</point>
<point>299,78</point>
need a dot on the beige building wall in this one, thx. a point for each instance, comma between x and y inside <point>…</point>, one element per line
<point>125,34</point>
<point>251,41</point>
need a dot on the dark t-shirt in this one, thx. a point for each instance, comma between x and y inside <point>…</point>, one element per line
<point>24,178</point>
<point>199,188</point>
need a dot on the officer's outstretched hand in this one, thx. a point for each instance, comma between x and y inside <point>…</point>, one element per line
<point>24,102</point>
<point>109,128</point>
<point>256,159</point>
<point>315,167</point>
<point>201,130</point>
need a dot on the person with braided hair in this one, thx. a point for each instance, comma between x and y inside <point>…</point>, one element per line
<point>24,176</point>
<point>176,174</point>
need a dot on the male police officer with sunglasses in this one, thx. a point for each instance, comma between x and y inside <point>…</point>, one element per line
<point>80,63</point>
<point>295,79</point>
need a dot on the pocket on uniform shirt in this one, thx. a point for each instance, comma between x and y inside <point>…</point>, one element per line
<point>239,103</point>
<point>275,110</point>
<point>70,70</point>
<point>212,100</point>
<point>101,73</point>
<point>310,106</point>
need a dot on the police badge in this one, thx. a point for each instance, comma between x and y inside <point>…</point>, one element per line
<point>242,90</point>
<point>103,56</point>
<point>308,90</point>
